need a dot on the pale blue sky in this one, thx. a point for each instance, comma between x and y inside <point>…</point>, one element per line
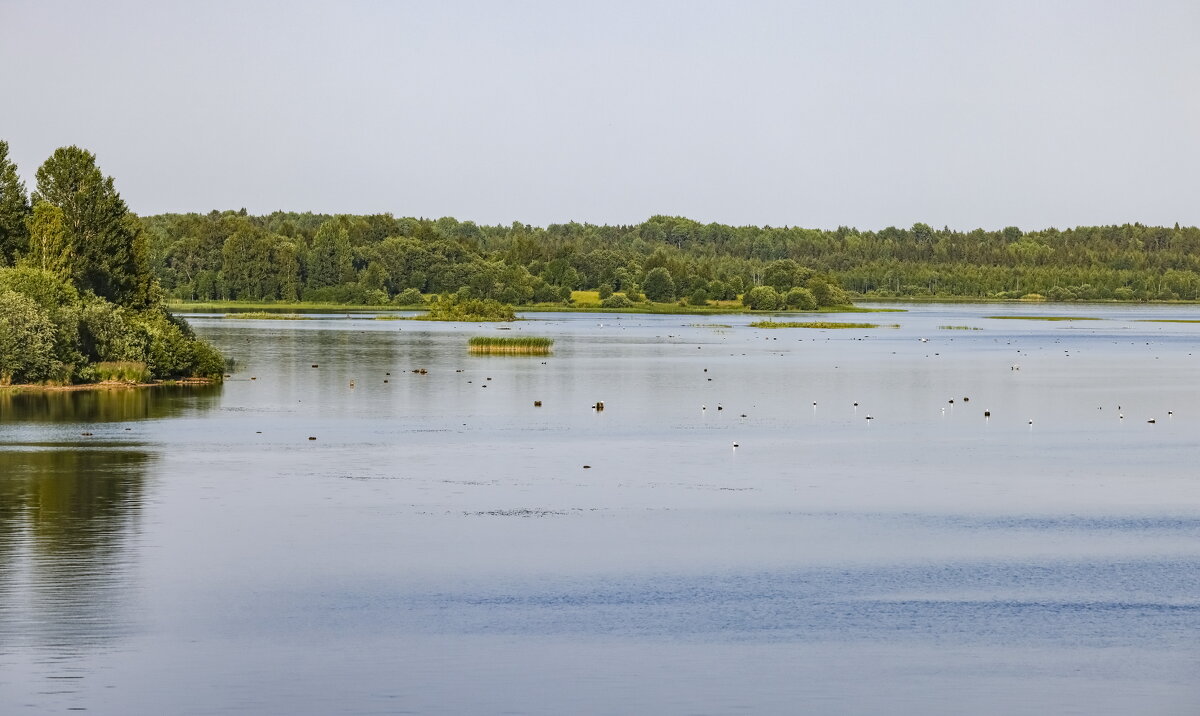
<point>815,114</point>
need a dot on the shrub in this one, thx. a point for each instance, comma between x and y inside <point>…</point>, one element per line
<point>617,300</point>
<point>801,298</point>
<point>761,298</point>
<point>408,297</point>
<point>27,352</point>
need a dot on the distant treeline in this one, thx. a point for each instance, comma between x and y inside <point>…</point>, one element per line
<point>377,258</point>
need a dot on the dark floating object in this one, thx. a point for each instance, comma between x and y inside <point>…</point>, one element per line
<point>537,403</point>
<point>387,373</point>
<point>1151,420</point>
<point>310,437</point>
<point>856,403</point>
<point>870,418</point>
<point>253,377</point>
<point>587,467</point>
<point>720,407</point>
<point>966,399</point>
<point>598,406</point>
<point>743,415</point>
<point>952,401</point>
<point>314,365</point>
<point>987,413</point>
<point>735,444</point>
<point>86,435</point>
<point>385,380</point>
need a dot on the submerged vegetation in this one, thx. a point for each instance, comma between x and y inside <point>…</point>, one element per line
<point>78,299</point>
<point>526,345</point>
<point>960,328</point>
<point>810,324</point>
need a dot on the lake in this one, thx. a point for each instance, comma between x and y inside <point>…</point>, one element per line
<point>872,544</point>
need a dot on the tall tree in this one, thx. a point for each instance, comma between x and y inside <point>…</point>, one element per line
<point>50,247</point>
<point>329,260</point>
<point>14,208</point>
<point>111,250</point>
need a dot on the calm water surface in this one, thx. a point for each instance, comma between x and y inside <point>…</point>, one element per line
<point>444,546</point>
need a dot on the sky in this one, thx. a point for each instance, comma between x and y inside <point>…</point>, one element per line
<point>818,114</point>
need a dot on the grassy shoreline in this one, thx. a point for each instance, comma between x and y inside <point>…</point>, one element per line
<point>105,385</point>
<point>227,308</point>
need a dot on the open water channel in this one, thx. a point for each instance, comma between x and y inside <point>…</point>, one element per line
<point>444,546</point>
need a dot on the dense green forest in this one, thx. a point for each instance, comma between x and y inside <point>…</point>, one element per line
<point>379,259</point>
<point>79,301</point>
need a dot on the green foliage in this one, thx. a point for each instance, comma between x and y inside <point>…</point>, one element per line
<point>329,259</point>
<point>518,263</point>
<point>459,307</point>
<point>658,285</point>
<point>27,351</point>
<point>51,332</point>
<point>50,247</point>
<point>14,207</point>
<point>409,297</point>
<point>111,251</point>
<point>617,300</point>
<point>761,298</point>
<point>801,299</point>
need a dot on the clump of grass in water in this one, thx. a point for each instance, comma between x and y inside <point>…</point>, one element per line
<point>524,345</point>
<point>811,324</point>
<point>1045,318</point>
<point>126,371</point>
<point>709,325</point>
<point>960,328</point>
<point>264,316</point>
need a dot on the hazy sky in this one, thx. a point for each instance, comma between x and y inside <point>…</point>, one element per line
<point>818,114</point>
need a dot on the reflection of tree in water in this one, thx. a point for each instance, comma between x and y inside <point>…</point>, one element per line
<point>67,517</point>
<point>105,405</point>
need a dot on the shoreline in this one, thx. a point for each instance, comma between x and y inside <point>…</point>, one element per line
<point>106,385</point>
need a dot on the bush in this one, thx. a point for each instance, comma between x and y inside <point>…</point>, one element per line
<point>699,297</point>
<point>801,298</point>
<point>408,297</point>
<point>606,290</point>
<point>617,300</point>
<point>456,307</point>
<point>761,298</point>
<point>27,352</point>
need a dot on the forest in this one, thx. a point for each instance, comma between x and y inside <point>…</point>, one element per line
<point>381,259</point>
